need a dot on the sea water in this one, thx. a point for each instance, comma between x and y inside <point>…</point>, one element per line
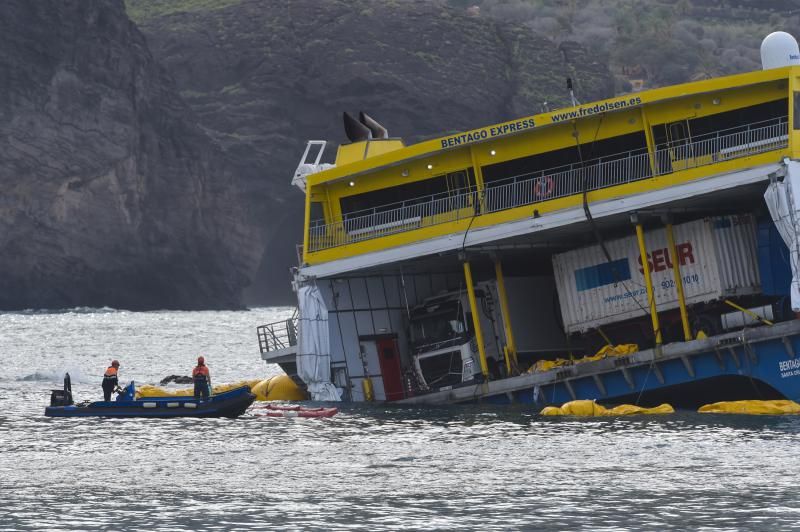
<point>372,467</point>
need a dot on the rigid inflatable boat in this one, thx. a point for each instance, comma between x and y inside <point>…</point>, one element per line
<point>228,404</point>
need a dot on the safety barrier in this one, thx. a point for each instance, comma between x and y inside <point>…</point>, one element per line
<point>543,185</point>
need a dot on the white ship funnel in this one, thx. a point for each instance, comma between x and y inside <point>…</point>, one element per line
<point>779,49</point>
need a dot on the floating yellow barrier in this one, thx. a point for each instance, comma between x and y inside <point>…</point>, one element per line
<point>585,407</point>
<point>283,388</point>
<point>605,352</point>
<point>776,407</point>
<point>277,388</point>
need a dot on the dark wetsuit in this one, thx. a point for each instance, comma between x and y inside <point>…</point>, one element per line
<point>201,378</point>
<point>110,382</point>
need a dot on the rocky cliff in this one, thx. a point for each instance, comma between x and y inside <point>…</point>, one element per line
<point>161,181</point>
<point>111,194</point>
<point>265,76</point>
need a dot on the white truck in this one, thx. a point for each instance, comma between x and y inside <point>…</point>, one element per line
<point>443,344</point>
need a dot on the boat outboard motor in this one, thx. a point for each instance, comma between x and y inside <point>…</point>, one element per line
<point>378,131</point>
<point>62,397</point>
<point>128,393</point>
<point>355,130</point>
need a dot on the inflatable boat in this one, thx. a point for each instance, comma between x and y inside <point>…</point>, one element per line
<point>230,404</point>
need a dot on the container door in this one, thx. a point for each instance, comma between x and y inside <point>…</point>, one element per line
<point>389,358</point>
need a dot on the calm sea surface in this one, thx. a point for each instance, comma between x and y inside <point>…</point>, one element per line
<point>369,468</point>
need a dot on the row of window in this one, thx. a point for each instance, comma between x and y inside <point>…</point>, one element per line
<point>586,154</point>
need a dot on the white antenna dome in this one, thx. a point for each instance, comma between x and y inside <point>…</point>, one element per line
<point>779,49</point>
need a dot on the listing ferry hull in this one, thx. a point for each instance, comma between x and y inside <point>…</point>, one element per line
<point>757,363</point>
<point>460,268</point>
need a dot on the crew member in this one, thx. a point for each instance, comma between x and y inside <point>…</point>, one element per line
<point>202,379</point>
<point>110,380</point>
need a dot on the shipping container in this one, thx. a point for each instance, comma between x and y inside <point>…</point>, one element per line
<point>717,258</point>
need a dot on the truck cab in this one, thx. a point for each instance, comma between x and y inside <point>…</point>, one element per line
<point>443,345</point>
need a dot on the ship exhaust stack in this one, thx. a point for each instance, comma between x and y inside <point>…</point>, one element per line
<point>355,130</point>
<point>378,131</point>
<point>779,49</point>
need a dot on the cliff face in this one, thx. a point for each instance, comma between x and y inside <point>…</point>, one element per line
<point>111,195</point>
<point>162,181</point>
<point>263,77</point>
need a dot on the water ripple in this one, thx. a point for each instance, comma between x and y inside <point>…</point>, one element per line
<point>371,467</point>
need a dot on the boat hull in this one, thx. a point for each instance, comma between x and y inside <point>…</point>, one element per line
<point>229,404</point>
<point>760,363</point>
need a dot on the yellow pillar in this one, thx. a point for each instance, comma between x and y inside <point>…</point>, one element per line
<point>651,145</point>
<point>649,282</point>
<point>676,271</point>
<point>476,319</point>
<point>511,359</point>
<point>794,109</point>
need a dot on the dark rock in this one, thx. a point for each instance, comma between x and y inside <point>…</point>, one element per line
<point>111,194</point>
<point>263,77</point>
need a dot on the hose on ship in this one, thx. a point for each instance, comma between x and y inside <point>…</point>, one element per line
<point>588,213</point>
<point>599,237</point>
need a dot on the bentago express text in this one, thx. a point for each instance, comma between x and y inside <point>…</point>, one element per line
<point>528,123</point>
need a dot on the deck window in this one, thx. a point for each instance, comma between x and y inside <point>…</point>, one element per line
<point>694,142</point>
<point>316,214</point>
<point>565,159</point>
<point>406,206</point>
<point>796,110</point>
<point>404,195</point>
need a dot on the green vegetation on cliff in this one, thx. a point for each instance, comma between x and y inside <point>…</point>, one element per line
<point>655,42</point>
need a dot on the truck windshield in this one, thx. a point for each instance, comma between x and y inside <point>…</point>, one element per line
<point>444,323</point>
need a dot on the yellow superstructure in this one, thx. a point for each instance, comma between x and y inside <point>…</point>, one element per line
<point>382,194</point>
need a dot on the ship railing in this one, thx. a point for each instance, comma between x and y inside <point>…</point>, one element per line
<point>278,335</point>
<point>544,185</point>
<point>733,143</point>
<point>400,217</point>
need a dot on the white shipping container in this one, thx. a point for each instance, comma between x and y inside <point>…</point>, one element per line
<point>717,259</point>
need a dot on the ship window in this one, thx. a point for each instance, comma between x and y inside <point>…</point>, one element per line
<point>735,121</point>
<point>316,214</point>
<point>797,110</point>
<point>406,195</point>
<point>565,159</point>
<point>739,119</point>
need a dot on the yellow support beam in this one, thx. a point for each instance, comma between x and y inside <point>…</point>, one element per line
<point>648,280</point>
<point>476,319</point>
<point>511,358</point>
<point>676,271</point>
<point>651,144</point>
<point>748,312</point>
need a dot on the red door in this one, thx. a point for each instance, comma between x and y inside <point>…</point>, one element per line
<point>389,359</point>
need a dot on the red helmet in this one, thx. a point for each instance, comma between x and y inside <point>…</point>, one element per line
<point>201,361</point>
<point>115,363</point>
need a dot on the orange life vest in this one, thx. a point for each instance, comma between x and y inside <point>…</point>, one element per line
<point>200,372</point>
<point>110,372</point>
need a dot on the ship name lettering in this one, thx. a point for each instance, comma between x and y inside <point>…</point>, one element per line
<point>482,134</point>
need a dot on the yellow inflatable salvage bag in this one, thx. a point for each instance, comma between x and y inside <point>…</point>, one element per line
<point>777,407</point>
<point>587,408</point>
<point>277,388</point>
<point>605,352</point>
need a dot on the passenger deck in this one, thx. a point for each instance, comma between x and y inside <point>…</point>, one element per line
<point>631,153</point>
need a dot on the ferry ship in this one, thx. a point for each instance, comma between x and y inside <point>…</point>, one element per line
<point>642,249</point>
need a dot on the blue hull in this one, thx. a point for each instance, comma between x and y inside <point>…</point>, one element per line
<point>758,363</point>
<point>229,404</point>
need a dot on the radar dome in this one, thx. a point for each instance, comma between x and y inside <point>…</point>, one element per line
<point>779,49</point>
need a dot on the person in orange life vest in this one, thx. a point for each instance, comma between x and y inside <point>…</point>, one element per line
<point>110,380</point>
<point>202,379</point>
